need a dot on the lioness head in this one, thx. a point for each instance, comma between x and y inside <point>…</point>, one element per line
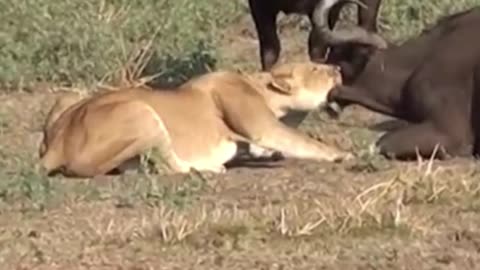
<point>307,83</point>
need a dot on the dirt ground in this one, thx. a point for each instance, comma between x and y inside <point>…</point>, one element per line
<point>368,213</point>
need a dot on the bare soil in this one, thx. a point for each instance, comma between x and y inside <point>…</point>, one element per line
<point>369,213</point>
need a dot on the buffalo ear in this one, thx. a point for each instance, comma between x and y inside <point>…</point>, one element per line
<point>280,85</point>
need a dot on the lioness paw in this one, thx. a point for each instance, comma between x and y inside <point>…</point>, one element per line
<point>260,152</point>
<point>343,157</point>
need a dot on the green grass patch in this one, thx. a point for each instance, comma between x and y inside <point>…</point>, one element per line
<point>82,42</point>
<point>401,19</point>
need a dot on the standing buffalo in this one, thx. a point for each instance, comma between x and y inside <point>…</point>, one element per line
<point>432,81</point>
<point>264,13</point>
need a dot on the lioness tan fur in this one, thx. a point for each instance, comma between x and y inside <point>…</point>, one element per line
<point>195,126</point>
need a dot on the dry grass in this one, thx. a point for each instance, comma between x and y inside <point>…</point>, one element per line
<point>139,220</point>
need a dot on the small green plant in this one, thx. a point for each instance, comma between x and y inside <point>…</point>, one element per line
<point>178,195</point>
<point>27,187</point>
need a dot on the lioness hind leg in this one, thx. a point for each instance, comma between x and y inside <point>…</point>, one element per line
<point>163,157</point>
<point>137,129</point>
<point>292,143</point>
<point>157,145</point>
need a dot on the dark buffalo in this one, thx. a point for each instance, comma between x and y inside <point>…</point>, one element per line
<point>432,81</point>
<point>264,13</point>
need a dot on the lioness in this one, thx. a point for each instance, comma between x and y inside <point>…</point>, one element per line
<point>195,126</point>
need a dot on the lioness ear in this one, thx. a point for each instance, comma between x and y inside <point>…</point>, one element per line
<point>281,86</point>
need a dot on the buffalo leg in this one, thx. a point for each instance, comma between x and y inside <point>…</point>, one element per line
<point>266,26</point>
<point>420,139</point>
<point>475,118</point>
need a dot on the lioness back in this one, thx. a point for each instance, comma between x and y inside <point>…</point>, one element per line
<point>223,82</point>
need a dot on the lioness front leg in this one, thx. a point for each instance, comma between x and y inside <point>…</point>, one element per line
<point>260,126</point>
<point>292,143</point>
<point>293,120</point>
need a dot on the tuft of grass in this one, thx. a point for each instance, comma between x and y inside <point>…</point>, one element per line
<point>179,195</point>
<point>27,187</point>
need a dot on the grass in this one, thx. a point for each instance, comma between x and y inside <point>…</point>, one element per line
<point>370,213</point>
<point>381,205</point>
<point>136,214</point>
<point>402,19</point>
<point>72,42</point>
